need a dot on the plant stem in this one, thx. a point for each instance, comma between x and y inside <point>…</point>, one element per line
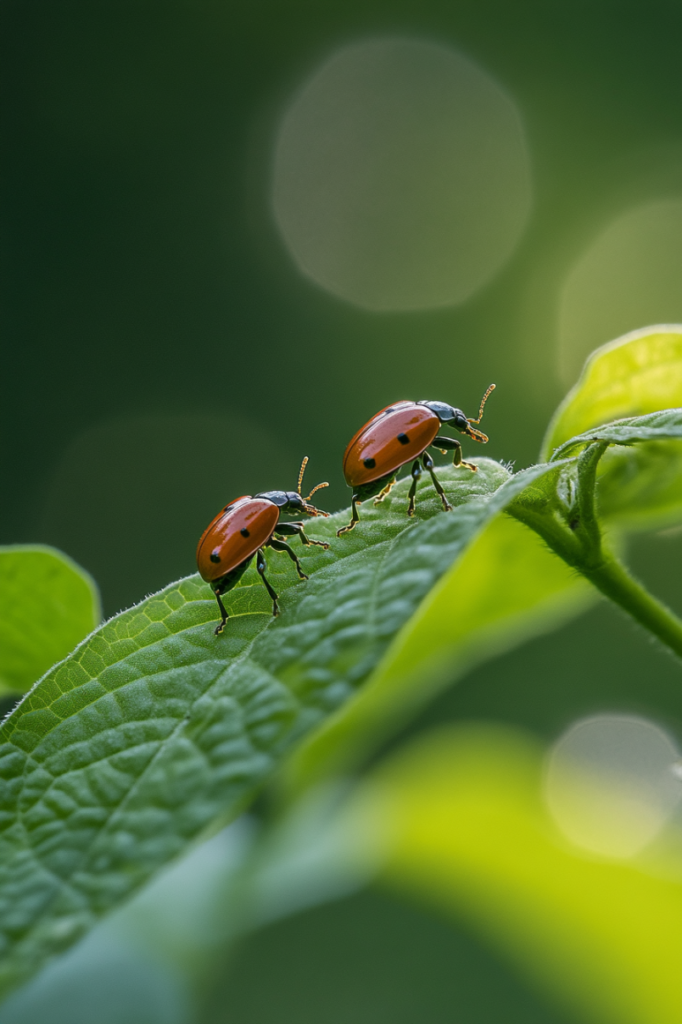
<point>616,583</point>
<point>584,552</point>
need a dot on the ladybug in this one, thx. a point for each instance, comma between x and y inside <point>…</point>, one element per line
<point>242,529</point>
<point>397,435</point>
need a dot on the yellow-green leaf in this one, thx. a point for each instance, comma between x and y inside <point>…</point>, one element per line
<point>636,374</point>
<point>48,604</point>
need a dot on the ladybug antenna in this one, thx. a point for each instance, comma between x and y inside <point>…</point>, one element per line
<point>478,435</point>
<point>480,411</point>
<point>301,472</point>
<point>318,487</point>
<point>310,509</point>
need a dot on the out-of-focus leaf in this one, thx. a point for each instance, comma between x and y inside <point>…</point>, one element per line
<point>463,825</point>
<point>640,488</point>
<point>506,587</point>
<point>48,604</point>
<point>636,374</point>
<point>155,729</point>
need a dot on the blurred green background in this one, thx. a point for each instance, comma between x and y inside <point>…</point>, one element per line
<point>163,352</point>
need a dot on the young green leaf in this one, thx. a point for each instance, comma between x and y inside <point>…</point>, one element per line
<point>636,374</point>
<point>155,729</point>
<point>640,485</point>
<point>48,604</point>
<point>664,425</point>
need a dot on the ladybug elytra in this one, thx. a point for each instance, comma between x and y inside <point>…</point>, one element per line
<point>242,529</point>
<point>399,434</point>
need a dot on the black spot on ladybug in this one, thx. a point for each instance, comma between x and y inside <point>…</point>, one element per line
<point>403,438</point>
<point>215,557</point>
<point>244,532</point>
<point>369,463</point>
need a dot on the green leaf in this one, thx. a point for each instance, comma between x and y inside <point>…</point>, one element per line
<point>155,729</point>
<point>506,587</point>
<point>463,824</point>
<point>48,604</point>
<point>641,487</point>
<point>665,425</point>
<point>636,374</point>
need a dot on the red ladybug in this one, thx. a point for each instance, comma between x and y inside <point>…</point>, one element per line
<point>243,529</point>
<point>397,435</point>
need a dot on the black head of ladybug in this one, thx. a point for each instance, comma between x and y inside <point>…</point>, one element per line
<point>293,501</point>
<point>456,418</point>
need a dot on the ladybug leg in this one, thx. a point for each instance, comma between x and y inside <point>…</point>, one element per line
<point>363,492</point>
<point>355,518</point>
<point>428,466</point>
<point>281,545</point>
<point>451,444</point>
<point>223,614</point>
<point>296,530</point>
<point>459,461</point>
<point>221,586</point>
<point>261,565</point>
<point>415,472</point>
<point>386,491</point>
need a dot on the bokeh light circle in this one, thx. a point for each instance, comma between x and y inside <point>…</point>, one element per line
<point>629,277</point>
<point>611,783</point>
<point>401,176</point>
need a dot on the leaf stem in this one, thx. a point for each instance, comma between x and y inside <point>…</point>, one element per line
<point>565,516</point>
<point>608,575</point>
<point>615,582</point>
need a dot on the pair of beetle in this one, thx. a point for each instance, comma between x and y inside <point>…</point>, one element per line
<point>398,434</point>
